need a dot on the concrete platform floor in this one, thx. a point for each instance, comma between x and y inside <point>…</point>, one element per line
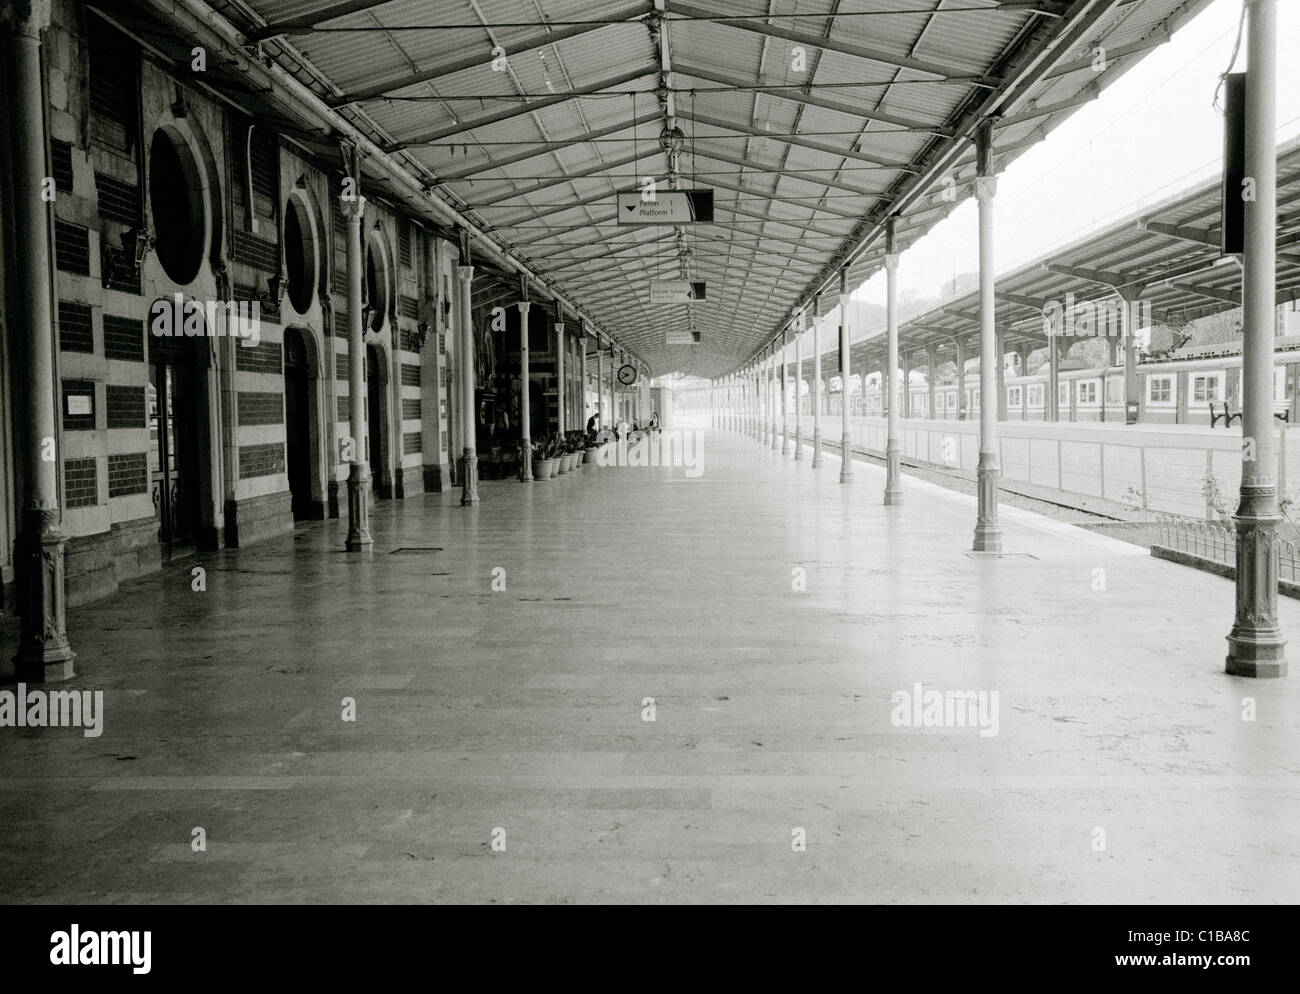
<point>522,710</point>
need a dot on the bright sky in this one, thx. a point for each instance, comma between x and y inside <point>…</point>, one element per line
<point>1149,135</point>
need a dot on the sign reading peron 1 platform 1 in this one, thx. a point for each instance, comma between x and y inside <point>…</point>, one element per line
<point>666,207</point>
<point>676,291</point>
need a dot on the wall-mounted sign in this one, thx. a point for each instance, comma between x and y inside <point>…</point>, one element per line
<point>78,404</point>
<point>666,207</point>
<point>676,291</point>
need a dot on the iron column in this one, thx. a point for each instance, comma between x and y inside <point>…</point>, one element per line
<point>560,346</point>
<point>817,384</point>
<point>359,473</point>
<point>779,391</point>
<point>798,382</point>
<point>846,452</point>
<point>893,486</point>
<point>988,534</point>
<point>525,416</point>
<point>1256,647</point>
<point>43,650</point>
<point>469,420</point>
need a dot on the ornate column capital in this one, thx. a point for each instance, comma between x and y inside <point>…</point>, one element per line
<point>465,274</point>
<point>891,262</point>
<point>25,17</point>
<point>986,188</point>
<point>353,207</point>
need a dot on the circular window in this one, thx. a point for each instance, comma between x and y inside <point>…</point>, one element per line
<point>299,255</point>
<point>176,198</point>
<point>376,286</point>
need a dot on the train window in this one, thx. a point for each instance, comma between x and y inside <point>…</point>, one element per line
<point>1036,395</point>
<point>1088,392</point>
<point>1063,395</point>
<point>1160,390</point>
<point>1013,396</point>
<point>1205,389</point>
<point>938,402</point>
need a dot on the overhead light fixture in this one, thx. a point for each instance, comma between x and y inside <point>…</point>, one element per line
<point>671,140</point>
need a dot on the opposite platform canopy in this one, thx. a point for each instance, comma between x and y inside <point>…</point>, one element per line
<point>812,121</point>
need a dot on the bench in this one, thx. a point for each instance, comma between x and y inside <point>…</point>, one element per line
<point>1226,417</point>
<point>1281,411</point>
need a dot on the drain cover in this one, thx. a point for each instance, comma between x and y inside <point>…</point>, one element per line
<point>414,550</point>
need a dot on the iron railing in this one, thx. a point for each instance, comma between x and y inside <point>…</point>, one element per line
<point>1217,542</point>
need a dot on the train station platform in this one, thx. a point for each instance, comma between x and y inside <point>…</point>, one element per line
<point>781,623</point>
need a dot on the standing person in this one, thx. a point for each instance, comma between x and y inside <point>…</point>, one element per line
<point>654,423</point>
<point>593,426</point>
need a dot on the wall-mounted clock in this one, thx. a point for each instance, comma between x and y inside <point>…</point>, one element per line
<point>627,374</point>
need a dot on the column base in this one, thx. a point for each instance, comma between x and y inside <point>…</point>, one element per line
<point>44,655</point>
<point>469,479</point>
<point>846,460</point>
<point>526,461</point>
<point>893,488</point>
<point>988,538</point>
<point>359,539</point>
<point>798,447</point>
<point>1255,654</point>
<point>817,449</point>
<point>1256,647</point>
<point>988,533</point>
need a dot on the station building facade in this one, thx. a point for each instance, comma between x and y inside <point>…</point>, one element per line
<point>177,218</point>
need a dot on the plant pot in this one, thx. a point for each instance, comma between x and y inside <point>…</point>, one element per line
<point>562,464</point>
<point>552,467</point>
<point>539,469</point>
<point>589,454</point>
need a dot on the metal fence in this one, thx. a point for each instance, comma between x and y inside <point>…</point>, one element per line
<point>1216,541</point>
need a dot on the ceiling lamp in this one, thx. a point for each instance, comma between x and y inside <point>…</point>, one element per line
<point>672,139</point>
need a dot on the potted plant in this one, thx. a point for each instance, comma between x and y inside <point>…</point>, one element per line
<point>564,462</point>
<point>573,449</point>
<point>551,452</point>
<point>538,456</point>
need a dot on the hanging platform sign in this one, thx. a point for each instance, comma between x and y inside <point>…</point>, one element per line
<point>676,291</point>
<point>666,207</point>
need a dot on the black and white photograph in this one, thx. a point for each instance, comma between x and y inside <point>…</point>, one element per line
<point>649,453</point>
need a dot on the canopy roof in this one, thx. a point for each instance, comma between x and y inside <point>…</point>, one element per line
<point>812,128</point>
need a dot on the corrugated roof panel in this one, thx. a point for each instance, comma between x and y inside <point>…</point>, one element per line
<point>972,42</point>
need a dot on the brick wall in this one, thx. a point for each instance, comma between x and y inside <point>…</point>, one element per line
<point>124,407</point>
<point>261,460</point>
<point>263,358</point>
<point>261,408</point>
<point>123,338</point>
<point>80,485</point>
<point>127,474</point>
<point>75,333</point>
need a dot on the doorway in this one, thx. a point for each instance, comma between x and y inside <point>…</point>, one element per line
<point>174,424</point>
<point>297,425</point>
<point>376,382</point>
